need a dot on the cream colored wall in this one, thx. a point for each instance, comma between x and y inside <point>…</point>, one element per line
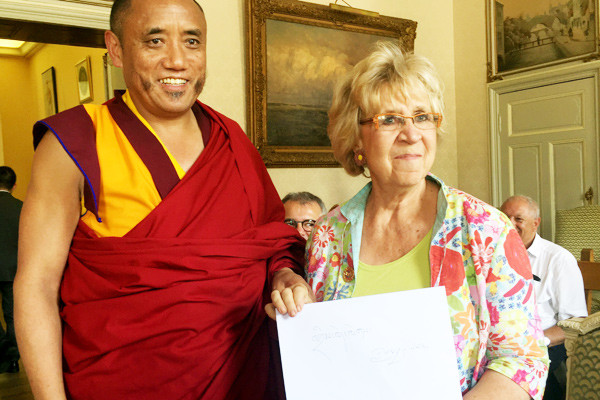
<point>18,115</point>
<point>450,33</point>
<point>471,98</point>
<point>225,87</point>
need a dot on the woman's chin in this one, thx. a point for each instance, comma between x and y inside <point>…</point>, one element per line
<point>404,180</point>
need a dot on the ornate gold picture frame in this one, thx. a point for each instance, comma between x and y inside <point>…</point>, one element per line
<point>84,81</point>
<point>296,52</point>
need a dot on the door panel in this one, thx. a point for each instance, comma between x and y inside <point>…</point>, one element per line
<point>548,146</point>
<point>525,120</point>
<point>567,173</point>
<point>525,170</point>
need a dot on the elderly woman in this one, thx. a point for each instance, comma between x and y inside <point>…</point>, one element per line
<point>406,229</point>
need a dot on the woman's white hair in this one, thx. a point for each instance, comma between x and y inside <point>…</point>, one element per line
<point>385,73</point>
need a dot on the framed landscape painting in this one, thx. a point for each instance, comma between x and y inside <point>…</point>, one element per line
<point>296,53</point>
<point>523,35</point>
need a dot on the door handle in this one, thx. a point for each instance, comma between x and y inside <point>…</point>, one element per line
<point>589,195</point>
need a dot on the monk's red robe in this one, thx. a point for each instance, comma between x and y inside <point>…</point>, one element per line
<point>174,309</point>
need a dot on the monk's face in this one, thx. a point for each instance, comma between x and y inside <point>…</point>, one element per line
<point>163,55</point>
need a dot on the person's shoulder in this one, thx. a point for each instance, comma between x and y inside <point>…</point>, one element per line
<point>334,214</point>
<point>474,208</point>
<point>466,197</point>
<point>18,202</point>
<point>10,202</point>
<point>556,250</point>
<point>219,116</point>
<point>333,219</point>
<point>75,120</point>
<point>460,197</point>
<point>82,109</point>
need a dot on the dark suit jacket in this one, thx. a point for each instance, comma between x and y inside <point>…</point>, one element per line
<point>10,210</point>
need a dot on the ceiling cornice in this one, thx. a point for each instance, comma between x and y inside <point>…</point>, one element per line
<point>82,13</point>
<point>101,3</point>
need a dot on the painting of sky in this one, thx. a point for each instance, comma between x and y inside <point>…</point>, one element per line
<point>303,64</point>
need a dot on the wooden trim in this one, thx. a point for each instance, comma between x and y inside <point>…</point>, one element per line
<point>587,255</point>
<point>590,271</point>
<point>82,14</point>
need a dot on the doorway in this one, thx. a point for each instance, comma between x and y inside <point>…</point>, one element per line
<point>546,143</point>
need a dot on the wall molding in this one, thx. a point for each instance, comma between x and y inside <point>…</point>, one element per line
<point>86,14</point>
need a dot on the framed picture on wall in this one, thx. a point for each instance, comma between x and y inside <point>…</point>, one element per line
<point>296,53</point>
<point>113,78</point>
<point>84,80</point>
<point>49,92</point>
<point>524,35</point>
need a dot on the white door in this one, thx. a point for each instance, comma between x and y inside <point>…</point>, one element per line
<point>548,146</point>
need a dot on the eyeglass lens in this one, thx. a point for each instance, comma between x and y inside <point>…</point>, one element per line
<point>394,122</point>
<point>307,224</point>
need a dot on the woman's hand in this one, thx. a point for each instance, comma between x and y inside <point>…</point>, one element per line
<point>290,293</point>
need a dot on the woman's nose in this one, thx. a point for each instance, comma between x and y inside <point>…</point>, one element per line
<point>409,132</point>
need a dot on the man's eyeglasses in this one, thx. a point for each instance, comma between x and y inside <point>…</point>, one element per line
<point>393,121</point>
<point>307,224</point>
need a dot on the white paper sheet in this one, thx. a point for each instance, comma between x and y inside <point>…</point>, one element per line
<point>388,346</point>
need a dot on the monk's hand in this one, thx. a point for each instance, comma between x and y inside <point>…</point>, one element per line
<point>290,293</point>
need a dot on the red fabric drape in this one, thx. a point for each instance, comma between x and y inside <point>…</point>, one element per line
<point>174,310</point>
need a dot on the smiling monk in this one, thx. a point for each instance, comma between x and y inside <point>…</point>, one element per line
<point>150,231</point>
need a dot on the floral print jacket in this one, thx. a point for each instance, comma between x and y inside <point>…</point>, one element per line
<point>479,258</point>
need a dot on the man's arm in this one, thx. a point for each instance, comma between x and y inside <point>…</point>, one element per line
<point>567,292</point>
<point>48,220</point>
<point>555,334</point>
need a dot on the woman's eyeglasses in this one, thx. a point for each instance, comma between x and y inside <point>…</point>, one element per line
<point>394,122</point>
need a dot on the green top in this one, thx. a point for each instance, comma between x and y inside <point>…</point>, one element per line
<point>410,271</point>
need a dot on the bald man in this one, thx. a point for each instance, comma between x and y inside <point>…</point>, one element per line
<point>558,283</point>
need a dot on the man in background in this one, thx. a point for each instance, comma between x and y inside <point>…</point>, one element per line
<point>151,234</point>
<point>558,283</point>
<point>302,209</point>
<point>10,210</point>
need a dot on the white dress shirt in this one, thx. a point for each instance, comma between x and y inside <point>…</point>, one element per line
<point>559,292</point>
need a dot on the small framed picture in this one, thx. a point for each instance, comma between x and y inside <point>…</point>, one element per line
<point>49,92</point>
<point>84,81</point>
<point>113,78</point>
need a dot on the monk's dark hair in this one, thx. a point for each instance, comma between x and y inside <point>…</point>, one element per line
<point>8,178</point>
<point>118,13</point>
